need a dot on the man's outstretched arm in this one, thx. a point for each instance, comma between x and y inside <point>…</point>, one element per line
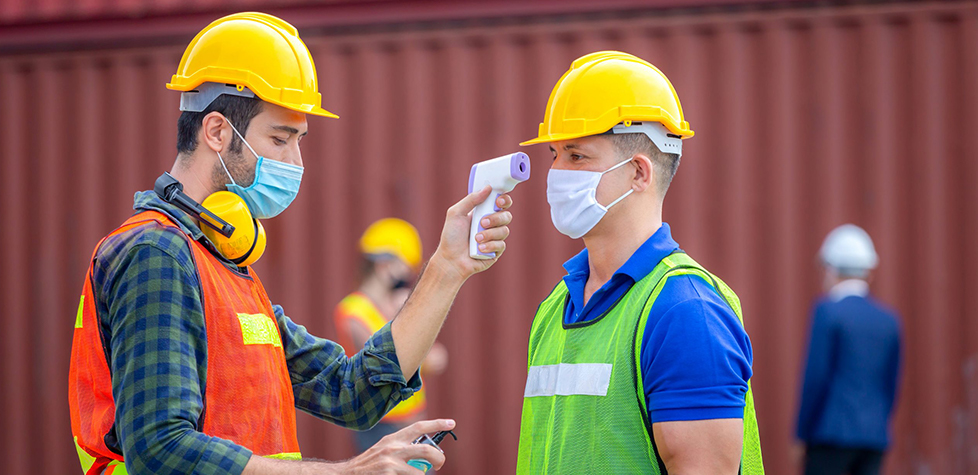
<point>419,322</point>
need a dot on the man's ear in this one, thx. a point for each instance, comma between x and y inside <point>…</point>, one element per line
<point>644,173</point>
<point>213,132</point>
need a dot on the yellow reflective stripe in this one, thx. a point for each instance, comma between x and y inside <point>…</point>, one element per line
<point>258,329</point>
<point>116,468</point>
<point>81,306</point>
<point>86,460</point>
<point>285,456</point>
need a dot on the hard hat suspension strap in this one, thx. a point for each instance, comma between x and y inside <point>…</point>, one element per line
<point>198,99</point>
<point>656,132</point>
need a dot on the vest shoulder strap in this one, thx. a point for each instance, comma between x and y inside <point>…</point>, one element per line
<point>557,295</point>
<point>144,217</point>
<point>545,311</point>
<point>676,264</point>
<point>679,263</point>
<point>135,220</point>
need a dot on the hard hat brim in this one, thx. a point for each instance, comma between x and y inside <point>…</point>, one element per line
<point>553,138</point>
<point>308,109</point>
<point>180,84</point>
<point>304,108</point>
<point>559,137</point>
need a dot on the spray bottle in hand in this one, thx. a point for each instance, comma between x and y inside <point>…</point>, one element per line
<point>422,464</point>
<point>502,174</point>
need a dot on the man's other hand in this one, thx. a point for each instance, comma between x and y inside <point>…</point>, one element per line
<point>391,454</point>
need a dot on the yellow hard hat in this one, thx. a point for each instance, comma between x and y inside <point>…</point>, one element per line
<point>395,237</point>
<point>257,51</point>
<point>603,89</point>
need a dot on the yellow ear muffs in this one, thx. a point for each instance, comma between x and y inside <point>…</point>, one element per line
<point>247,243</point>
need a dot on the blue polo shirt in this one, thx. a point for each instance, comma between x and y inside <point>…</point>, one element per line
<point>696,357</point>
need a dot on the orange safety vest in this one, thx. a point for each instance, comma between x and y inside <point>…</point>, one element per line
<point>249,398</point>
<point>356,307</point>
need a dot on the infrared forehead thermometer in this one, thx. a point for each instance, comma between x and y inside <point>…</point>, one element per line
<point>502,174</point>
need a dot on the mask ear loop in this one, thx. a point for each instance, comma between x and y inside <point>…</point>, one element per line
<point>619,199</point>
<point>618,165</point>
<point>241,137</point>
<point>225,168</point>
<point>630,190</point>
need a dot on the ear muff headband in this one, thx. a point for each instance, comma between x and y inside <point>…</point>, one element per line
<point>169,189</point>
<point>257,247</point>
<point>226,220</point>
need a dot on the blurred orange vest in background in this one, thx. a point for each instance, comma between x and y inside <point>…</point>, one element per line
<point>248,398</point>
<point>356,307</point>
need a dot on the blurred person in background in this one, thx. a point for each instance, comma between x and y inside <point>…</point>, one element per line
<point>853,364</point>
<point>638,359</point>
<point>390,251</point>
<point>179,361</point>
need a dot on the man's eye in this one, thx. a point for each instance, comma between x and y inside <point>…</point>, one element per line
<point>278,141</point>
<point>575,157</point>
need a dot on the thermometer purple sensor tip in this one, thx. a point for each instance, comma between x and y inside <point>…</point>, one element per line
<point>502,174</point>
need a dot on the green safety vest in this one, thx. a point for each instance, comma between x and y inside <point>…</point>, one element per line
<point>584,404</point>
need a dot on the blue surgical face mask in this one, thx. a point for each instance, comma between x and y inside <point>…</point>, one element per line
<point>276,184</point>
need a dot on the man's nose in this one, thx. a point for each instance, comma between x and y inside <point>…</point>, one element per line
<point>296,156</point>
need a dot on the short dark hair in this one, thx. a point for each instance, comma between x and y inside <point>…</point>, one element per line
<point>238,110</point>
<point>664,164</point>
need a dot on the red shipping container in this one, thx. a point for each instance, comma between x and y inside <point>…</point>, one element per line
<point>805,118</point>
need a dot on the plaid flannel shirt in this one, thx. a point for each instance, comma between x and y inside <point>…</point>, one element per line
<point>148,300</point>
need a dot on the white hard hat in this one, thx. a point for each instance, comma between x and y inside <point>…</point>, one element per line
<point>849,248</point>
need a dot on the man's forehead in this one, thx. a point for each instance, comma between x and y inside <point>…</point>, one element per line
<point>590,143</point>
<point>280,118</point>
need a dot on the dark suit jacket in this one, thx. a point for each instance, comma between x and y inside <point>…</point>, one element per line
<point>851,374</point>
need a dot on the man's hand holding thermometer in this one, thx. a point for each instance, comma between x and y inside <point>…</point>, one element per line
<point>483,215</point>
<point>502,174</point>
<point>474,235</point>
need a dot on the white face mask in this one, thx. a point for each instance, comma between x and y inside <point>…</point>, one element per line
<point>572,195</point>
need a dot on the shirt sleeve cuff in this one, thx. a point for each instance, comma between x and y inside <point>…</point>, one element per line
<point>720,402</point>
<point>696,414</point>
<point>223,456</point>
<point>386,369</point>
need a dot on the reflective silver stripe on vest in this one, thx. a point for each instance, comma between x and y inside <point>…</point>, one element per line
<point>583,379</point>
